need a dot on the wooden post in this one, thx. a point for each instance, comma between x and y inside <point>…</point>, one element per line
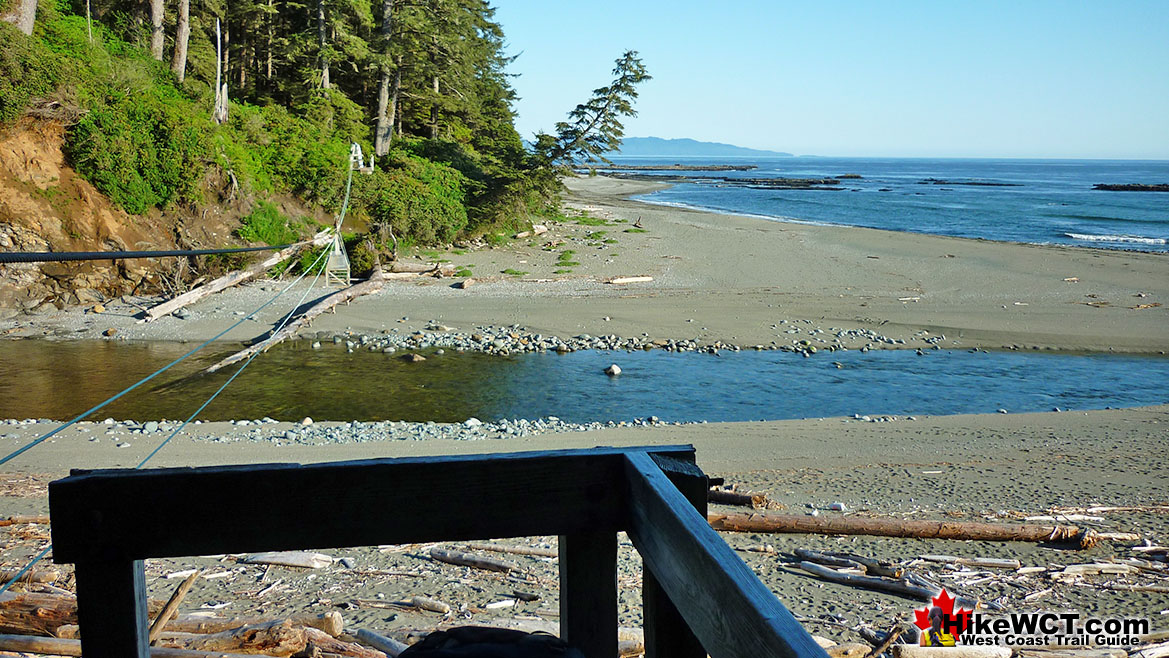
<point>111,596</point>
<point>666,634</point>
<point>588,592</point>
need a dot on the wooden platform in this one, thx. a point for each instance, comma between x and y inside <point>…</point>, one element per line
<point>699,596</point>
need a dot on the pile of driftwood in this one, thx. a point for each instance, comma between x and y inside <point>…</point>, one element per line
<point>42,619</point>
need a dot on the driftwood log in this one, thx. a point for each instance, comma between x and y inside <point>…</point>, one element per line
<point>742,498</point>
<point>902,587</point>
<point>534,551</point>
<point>885,527</point>
<point>370,285</point>
<point>299,559</point>
<point>41,519</point>
<point>914,651</point>
<point>29,613</point>
<point>234,278</point>
<point>59,647</point>
<point>329,622</point>
<point>329,645</point>
<point>386,645</point>
<point>172,606</point>
<point>471,560</point>
<point>33,576</point>
<point>277,638</point>
<point>981,562</point>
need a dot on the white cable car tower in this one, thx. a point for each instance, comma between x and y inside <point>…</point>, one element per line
<point>337,269</point>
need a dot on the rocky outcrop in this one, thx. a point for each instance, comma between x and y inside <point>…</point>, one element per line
<point>1132,187</point>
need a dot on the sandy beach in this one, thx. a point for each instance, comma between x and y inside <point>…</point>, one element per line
<point>730,279</point>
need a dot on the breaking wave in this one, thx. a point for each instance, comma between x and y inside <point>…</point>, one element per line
<point>1126,239</point>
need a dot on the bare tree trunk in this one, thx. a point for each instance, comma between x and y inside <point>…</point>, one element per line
<point>156,34</point>
<point>219,112</point>
<point>178,63</point>
<point>434,111</point>
<point>271,38</point>
<point>23,15</point>
<point>383,134</point>
<point>321,39</point>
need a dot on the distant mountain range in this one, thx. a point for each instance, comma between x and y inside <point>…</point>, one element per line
<point>657,146</point>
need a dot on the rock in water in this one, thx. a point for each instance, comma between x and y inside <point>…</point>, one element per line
<point>413,358</point>
<point>613,370</point>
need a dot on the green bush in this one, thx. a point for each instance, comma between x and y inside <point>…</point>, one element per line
<point>268,225</point>
<point>422,201</point>
<point>28,70</point>
<point>141,149</point>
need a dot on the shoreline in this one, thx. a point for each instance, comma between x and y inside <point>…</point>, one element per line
<point>728,278</point>
<point>715,278</point>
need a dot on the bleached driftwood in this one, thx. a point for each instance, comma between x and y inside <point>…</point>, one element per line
<point>60,647</point>
<point>515,550</point>
<point>981,562</point>
<point>24,518</point>
<point>914,651</point>
<point>300,559</point>
<point>617,280</point>
<point>325,644</point>
<point>869,582</point>
<point>830,560</point>
<point>387,645</point>
<point>886,527</point>
<point>277,638</point>
<point>370,285</point>
<point>330,622</point>
<point>172,606</point>
<point>234,278</point>
<point>470,560</point>
<point>33,576</point>
<point>433,605</point>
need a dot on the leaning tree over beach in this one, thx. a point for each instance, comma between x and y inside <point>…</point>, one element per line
<point>594,127</point>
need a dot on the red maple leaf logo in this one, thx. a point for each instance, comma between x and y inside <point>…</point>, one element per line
<point>952,622</point>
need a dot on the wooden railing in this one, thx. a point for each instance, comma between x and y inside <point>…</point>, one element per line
<point>699,597</point>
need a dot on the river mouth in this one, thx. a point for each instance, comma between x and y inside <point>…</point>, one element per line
<point>60,380</point>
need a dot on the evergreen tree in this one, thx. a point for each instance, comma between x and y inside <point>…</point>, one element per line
<point>594,126</point>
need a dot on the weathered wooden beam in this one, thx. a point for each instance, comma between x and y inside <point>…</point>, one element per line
<point>721,599</point>
<point>666,633</point>
<point>111,596</point>
<point>104,514</point>
<point>588,592</point>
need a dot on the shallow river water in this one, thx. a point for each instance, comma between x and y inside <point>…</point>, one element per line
<point>56,380</point>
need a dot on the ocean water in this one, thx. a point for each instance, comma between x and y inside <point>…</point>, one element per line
<point>1041,201</point>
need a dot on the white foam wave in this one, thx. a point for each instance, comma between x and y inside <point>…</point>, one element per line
<point>736,213</point>
<point>1127,239</point>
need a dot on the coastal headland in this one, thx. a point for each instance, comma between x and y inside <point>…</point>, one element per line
<point>738,282</point>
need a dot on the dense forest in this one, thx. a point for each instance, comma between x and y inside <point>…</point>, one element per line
<point>265,97</point>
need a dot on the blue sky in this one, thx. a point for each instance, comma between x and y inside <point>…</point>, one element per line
<point>949,79</point>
